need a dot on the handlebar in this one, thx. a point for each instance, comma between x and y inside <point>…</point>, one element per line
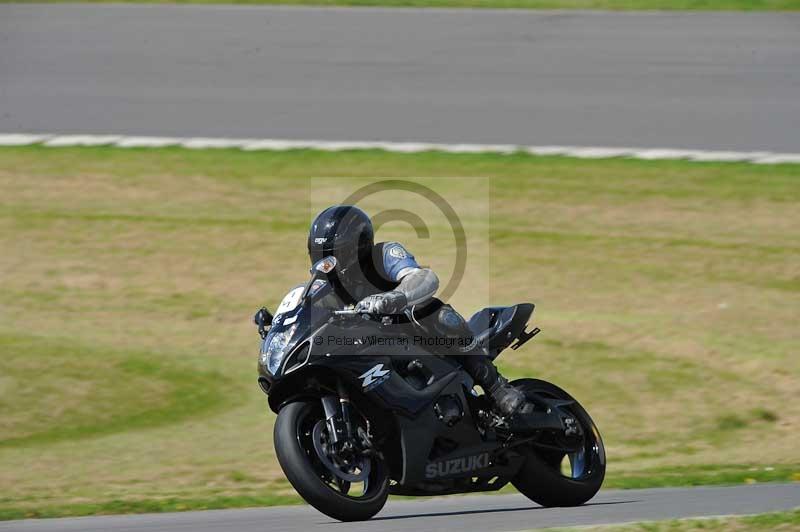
<point>351,312</point>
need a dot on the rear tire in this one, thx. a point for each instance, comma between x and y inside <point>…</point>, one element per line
<point>540,478</point>
<point>301,468</point>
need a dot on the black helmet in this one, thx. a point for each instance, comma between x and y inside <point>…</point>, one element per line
<point>343,231</point>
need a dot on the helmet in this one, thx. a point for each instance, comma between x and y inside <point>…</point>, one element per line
<point>343,231</point>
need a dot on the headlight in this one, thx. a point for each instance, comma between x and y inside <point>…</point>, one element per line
<point>273,353</point>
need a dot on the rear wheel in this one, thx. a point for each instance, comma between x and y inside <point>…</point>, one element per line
<point>561,470</point>
<point>347,487</point>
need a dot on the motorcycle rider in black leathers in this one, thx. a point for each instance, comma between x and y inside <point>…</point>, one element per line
<point>385,278</point>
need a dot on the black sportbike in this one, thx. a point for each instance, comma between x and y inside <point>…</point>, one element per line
<point>365,411</point>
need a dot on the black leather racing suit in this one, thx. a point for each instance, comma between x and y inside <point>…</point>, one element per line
<point>394,283</point>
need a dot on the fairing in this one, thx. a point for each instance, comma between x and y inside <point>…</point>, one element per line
<point>294,321</point>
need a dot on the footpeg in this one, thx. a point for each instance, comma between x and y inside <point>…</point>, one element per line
<point>491,420</point>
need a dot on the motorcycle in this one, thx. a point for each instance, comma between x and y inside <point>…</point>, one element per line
<point>363,411</point>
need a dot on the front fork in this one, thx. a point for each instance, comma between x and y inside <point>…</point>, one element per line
<point>338,417</point>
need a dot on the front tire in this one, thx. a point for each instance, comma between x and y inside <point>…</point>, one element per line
<point>542,479</point>
<point>309,476</point>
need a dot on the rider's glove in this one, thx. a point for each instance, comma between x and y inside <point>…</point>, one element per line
<point>393,302</point>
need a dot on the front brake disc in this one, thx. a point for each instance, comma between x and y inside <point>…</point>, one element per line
<point>363,463</point>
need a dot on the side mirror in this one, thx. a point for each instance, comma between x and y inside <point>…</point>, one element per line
<point>263,319</point>
<point>323,265</point>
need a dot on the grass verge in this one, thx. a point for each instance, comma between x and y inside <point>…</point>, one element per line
<point>667,292</point>
<point>146,506</point>
<point>779,521</point>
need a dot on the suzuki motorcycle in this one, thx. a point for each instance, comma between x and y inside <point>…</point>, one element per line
<point>364,411</point>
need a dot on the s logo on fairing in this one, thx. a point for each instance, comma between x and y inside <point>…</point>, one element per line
<point>374,377</point>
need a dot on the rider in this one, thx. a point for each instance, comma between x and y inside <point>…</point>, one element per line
<point>385,278</point>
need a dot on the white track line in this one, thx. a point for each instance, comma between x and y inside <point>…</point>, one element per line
<point>80,140</point>
<point>584,152</point>
<point>20,139</point>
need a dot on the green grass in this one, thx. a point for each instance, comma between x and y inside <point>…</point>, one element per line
<point>615,5</point>
<point>146,506</point>
<point>668,294</point>
<point>777,521</point>
<point>123,391</point>
<point>699,475</point>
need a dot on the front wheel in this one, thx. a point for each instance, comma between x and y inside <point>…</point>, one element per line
<point>561,470</point>
<point>347,488</point>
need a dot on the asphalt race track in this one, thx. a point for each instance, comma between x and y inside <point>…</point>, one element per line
<point>463,514</point>
<point>724,81</point>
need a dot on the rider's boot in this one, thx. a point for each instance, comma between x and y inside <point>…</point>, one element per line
<point>513,406</point>
<point>506,399</point>
<point>508,402</point>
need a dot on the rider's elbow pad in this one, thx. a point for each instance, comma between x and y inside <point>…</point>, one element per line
<point>419,285</point>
